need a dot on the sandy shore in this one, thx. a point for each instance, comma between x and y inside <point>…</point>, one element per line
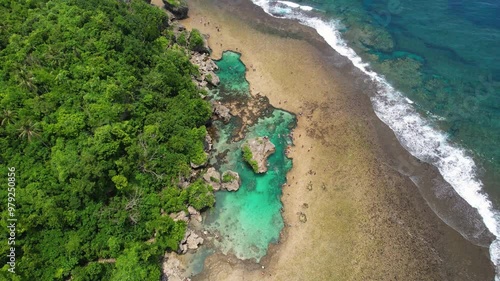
<point>364,220</point>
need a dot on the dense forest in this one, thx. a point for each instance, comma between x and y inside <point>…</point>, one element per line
<point>100,118</point>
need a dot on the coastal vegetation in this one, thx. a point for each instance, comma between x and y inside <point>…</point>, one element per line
<point>196,40</point>
<point>178,8</point>
<point>227,177</point>
<point>248,157</point>
<point>100,118</point>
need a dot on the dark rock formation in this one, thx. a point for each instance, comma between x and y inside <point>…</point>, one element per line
<point>178,8</point>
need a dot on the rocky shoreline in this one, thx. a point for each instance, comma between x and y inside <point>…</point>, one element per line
<point>248,109</point>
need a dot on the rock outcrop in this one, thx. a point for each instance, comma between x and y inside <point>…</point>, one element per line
<point>256,151</point>
<point>178,8</point>
<point>173,268</point>
<point>194,214</point>
<point>212,78</point>
<point>204,63</point>
<point>212,177</point>
<point>221,111</point>
<point>202,48</point>
<point>207,68</point>
<point>230,181</point>
<point>179,216</point>
<point>191,241</point>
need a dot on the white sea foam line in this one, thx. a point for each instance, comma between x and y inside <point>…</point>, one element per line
<point>419,138</point>
<point>295,5</point>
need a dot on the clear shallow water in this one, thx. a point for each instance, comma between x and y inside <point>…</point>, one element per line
<point>232,76</point>
<point>249,219</point>
<point>435,68</point>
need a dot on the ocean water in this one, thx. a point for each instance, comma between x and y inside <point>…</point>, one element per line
<point>435,67</point>
<point>247,220</point>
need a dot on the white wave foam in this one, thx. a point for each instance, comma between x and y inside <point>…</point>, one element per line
<point>415,133</point>
<point>295,5</point>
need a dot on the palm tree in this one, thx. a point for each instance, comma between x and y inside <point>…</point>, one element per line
<point>8,117</point>
<point>26,80</point>
<point>29,130</point>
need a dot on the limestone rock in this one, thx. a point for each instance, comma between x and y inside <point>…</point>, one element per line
<point>179,216</point>
<point>202,84</point>
<point>221,111</point>
<point>194,214</point>
<point>260,149</point>
<point>212,78</point>
<point>178,8</point>
<point>173,269</point>
<point>193,240</point>
<point>230,181</point>
<point>192,210</point>
<point>206,67</point>
<point>212,177</point>
<point>183,248</point>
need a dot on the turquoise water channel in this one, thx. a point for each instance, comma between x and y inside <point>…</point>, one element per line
<point>247,220</point>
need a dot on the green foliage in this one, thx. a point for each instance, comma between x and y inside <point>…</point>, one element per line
<point>196,41</point>
<point>200,195</point>
<point>248,157</point>
<point>182,38</point>
<point>209,77</point>
<point>227,178</point>
<point>99,116</point>
<point>174,3</point>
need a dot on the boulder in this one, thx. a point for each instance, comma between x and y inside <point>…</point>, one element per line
<point>213,178</point>
<point>256,151</point>
<point>193,240</point>
<point>192,210</point>
<point>212,78</point>
<point>221,111</point>
<point>183,248</point>
<point>178,8</point>
<point>194,214</point>
<point>179,216</point>
<point>230,181</point>
<point>210,65</point>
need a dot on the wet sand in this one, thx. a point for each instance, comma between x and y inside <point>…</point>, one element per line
<point>365,221</point>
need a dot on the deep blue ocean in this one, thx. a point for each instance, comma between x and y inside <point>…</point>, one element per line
<point>436,66</point>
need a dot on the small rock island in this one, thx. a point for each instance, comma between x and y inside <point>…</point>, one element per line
<point>255,152</point>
